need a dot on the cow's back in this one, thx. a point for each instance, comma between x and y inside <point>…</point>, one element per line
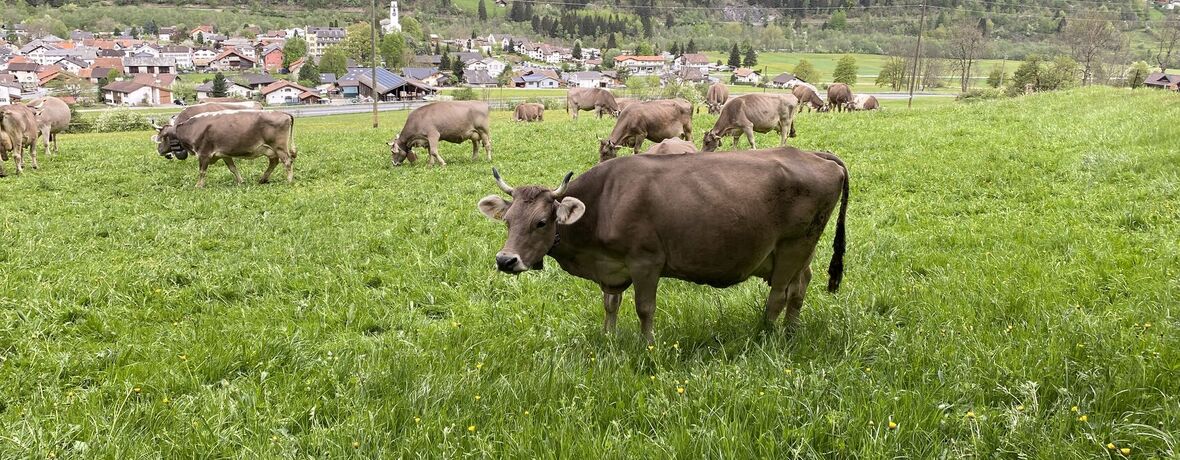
<point>19,123</point>
<point>447,118</point>
<point>714,224</point>
<point>839,93</point>
<point>760,109</point>
<point>54,112</point>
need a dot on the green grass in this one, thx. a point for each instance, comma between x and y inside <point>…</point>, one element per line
<point>1006,259</point>
<point>868,66</point>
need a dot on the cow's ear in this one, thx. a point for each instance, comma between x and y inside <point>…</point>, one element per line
<point>569,210</point>
<point>494,207</point>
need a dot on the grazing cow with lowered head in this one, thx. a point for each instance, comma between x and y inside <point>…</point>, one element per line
<point>529,111</point>
<point>18,133</point>
<point>724,219</point>
<point>863,102</point>
<point>754,113</point>
<point>653,121</point>
<point>596,99</point>
<point>53,116</point>
<point>174,149</point>
<point>716,97</point>
<point>671,146</point>
<point>839,95</point>
<point>234,134</point>
<point>452,121</point>
<point>809,98</point>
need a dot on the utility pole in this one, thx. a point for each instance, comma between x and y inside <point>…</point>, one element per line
<point>373,50</point>
<point>917,53</point>
<point>1003,72</point>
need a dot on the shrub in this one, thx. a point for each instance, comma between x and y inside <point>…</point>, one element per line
<point>121,120</point>
<point>980,94</point>
<point>465,94</point>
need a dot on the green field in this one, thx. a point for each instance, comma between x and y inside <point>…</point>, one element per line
<point>868,65</point>
<point>1011,291</point>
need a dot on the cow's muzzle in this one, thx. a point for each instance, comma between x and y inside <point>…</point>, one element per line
<point>511,263</point>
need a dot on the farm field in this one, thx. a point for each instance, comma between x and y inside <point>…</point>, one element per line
<point>1011,287</point>
<point>868,66</point>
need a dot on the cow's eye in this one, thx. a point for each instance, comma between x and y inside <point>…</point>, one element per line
<point>541,224</point>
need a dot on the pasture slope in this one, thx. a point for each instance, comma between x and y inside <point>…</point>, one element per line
<point>1011,291</point>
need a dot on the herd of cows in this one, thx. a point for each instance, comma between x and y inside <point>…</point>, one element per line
<point>709,218</point>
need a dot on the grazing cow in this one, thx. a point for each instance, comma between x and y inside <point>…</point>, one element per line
<point>671,147</point>
<point>234,134</point>
<point>724,219</point>
<point>18,132</point>
<point>529,111</point>
<point>596,99</point>
<point>839,95</point>
<point>622,103</point>
<point>863,102</point>
<point>716,97</point>
<point>751,113</point>
<point>809,98</point>
<point>452,121</point>
<point>53,116</point>
<point>652,120</point>
<point>175,150</point>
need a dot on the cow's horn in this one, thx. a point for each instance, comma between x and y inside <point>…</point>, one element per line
<point>564,183</point>
<point>500,182</point>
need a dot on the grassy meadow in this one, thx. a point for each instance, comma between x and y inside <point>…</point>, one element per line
<point>1011,289</point>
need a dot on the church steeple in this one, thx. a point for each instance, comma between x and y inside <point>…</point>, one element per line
<point>393,24</point>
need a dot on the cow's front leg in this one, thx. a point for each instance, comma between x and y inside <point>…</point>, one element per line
<point>202,166</point>
<point>33,154</point>
<point>434,152</point>
<point>233,168</point>
<point>289,164</point>
<point>646,285</point>
<point>750,136</point>
<point>274,161</point>
<point>610,303</point>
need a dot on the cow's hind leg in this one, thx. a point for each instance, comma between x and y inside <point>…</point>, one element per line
<point>233,168</point>
<point>750,136</point>
<point>486,138</point>
<point>274,161</point>
<point>646,284</point>
<point>792,262</point>
<point>47,133</point>
<point>33,154</point>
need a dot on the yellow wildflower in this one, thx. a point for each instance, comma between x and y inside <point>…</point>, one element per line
<point>1110,445</point>
<point>970,414</point>
<point>1125,451</point>
<point>892,425</point>
<point>1083,418</point>
<point>477,398</point>
<point>471,428</point>
<point>680,390</point>
<point>1074,409</point>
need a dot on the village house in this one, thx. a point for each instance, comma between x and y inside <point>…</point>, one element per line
<point>492,66</point>
<point>588,79</point>
<point>284,92</point>
<point>255,81</point>
<point>234,90</point>
<point>165,34</point>
<point>182,55</point>
<point>25,73</point>
<point>144,89</point>
<point>692,61</point>
<point>642,65</point>
<point>201,32</point>
<point>10,92</point>
<point>1161,80</point>
<point>785,80</point>
<point>148,64</point>
<point>746,76</point>
<point>536,78</point>
<point>428,75</point>
<point>231,59</point>
<point>320,38</point>
<point>358,82</point>
<point>272,58</point>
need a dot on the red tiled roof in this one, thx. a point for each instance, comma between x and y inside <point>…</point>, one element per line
<point>282,84</point>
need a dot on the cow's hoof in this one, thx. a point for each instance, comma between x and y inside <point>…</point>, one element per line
<point>263,181</point>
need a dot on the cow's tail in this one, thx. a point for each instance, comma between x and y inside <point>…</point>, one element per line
<point>291,138</point>
<point>836,266</point>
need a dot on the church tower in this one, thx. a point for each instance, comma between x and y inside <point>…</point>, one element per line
<point>393,24</point>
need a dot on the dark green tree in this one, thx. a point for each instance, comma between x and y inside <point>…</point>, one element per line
<point>483,11</point>
<point>735,57</point>
<point>577,51</point>
<point>751,58</point>
<point>691,47</point>
<point>220,86</point>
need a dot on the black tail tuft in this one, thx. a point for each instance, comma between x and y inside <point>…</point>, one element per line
<point>836,266</point>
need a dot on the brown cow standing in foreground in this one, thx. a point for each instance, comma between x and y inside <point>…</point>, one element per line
<point>809,98</point>
<point>716,97</point>
<point>529,111</point>
<point>652,120</point>
<point>234,134</point>
<point>452,121</point>
<point>726,218</point>
<point>178,152</point>
<point>53,116</point>
<point>671,147</point>
<point>839,95</point>
<point>596,99</point>
<point>754,113</point>
<point>18,132</point>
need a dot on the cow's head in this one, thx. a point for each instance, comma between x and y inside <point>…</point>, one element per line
<point>38,107</point>
<point>712,141</point>
<point>399,152</point>
<point>532,218</point>
<point>607,149</point>
<point>167,145</point>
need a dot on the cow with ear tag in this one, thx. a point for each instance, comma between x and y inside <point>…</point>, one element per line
<point>725,218</point>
